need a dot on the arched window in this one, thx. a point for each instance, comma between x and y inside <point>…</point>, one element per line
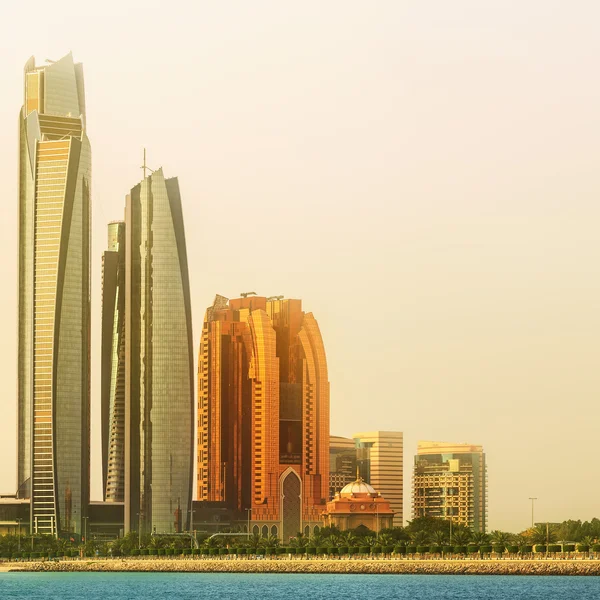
<point>274,530</point>
<point>265,531</point>
<point>316,529</point>
<point>307,530</point>
<point>255,530</point>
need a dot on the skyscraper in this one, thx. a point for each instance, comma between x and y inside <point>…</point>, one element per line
<point>54,297</point>
<point>450,482</point>
<point>342,463</point>
<point>263,413</point>
<point>380,461</point>
<point>159,376</point>
<point>113,364</point>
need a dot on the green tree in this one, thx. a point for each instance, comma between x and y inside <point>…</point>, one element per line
<point>480,538</point>
<point>420,538</point>
<point>439,537</point>
<point>461,536</point>
<point>501,538</point>
<point>542,532</point>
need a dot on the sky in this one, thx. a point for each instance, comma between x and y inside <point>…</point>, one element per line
<point>423,175</point>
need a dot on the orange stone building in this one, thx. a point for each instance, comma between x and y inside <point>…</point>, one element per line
<point>358,503</point>
<point>263,413</point>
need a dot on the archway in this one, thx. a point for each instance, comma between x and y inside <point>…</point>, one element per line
<point>291,504</point>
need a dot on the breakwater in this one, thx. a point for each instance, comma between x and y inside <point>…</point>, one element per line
<point>371,567</point>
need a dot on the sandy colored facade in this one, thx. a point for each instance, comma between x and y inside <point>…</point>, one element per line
<point>450,482</point>
<point>263,413</point>
<point>380,457</point>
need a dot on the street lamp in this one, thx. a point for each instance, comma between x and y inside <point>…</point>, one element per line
<point>85,519</point>
<point>249,511</point>
<point>19,522</point>
<point>532,521</point>
<point>192,535</point>
<point>139,516</point>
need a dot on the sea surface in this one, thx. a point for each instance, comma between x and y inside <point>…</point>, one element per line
<point>217,586</point>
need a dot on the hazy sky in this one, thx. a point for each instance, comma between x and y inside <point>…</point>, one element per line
<point>424,175</point>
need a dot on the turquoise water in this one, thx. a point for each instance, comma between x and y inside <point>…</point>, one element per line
<point>121,586</point>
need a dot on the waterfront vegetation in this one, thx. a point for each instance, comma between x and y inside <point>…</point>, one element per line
<point>421,538</point>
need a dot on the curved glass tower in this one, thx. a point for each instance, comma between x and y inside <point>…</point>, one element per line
<point>54,297</point>
<point>113,364</point>
<point>159,378</point>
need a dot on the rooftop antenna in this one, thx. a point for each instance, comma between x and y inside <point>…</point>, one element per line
<point>145,167</point>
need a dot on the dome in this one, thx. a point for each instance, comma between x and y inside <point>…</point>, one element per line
<point>357,487</point>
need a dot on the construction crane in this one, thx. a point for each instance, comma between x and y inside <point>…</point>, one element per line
<point>246,294</point>
<point>271,298</point>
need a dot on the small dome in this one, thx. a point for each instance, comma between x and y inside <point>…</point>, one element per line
<point>357,487</point>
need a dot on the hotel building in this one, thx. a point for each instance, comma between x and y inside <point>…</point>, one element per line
<point>54,298</point>
<point>380,463</point>
<point>450,482</point>
<point>263,413</point>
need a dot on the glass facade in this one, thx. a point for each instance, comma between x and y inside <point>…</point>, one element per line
<point>159,411</point>
<point>54,298</point>
<point>450,482</point>
<point>113,364</point>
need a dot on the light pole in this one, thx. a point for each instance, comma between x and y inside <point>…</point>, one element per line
<point>139,516</point>
<point>19,522</point>
<point>192,535</point>
<point>249,511</point>
<point>85,529</point>
<point>532,521</point>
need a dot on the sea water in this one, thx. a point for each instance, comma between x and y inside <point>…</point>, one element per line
<point>217,586</point>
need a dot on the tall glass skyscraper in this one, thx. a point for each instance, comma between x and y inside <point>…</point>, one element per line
<point>159,376</point>
<point>54,297</point>
<point>113,364</point>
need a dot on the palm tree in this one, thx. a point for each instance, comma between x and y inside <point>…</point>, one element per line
<point>420,538</point>
<point>479,538</point>
<point>385,539</point>
<point>502,538</point>
<point>439,538</point>
<point>270,541</point>
<point>349,539</point>
<point>300,541</point>
<point>544,533</point>
<point>461,536</point>
<point>370,541</point>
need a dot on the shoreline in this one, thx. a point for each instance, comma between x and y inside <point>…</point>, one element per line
<point>348,567</point>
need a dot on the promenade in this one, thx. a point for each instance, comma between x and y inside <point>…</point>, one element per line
<point>350,566</point>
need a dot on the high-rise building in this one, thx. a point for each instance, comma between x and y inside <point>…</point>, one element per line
<point>54,297</point>
<point>113,364</point>
<point>342,463</point>
<point>159,375</point>
<point>450,482</point>
<point>263,413</point>
<point>380,463</point>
